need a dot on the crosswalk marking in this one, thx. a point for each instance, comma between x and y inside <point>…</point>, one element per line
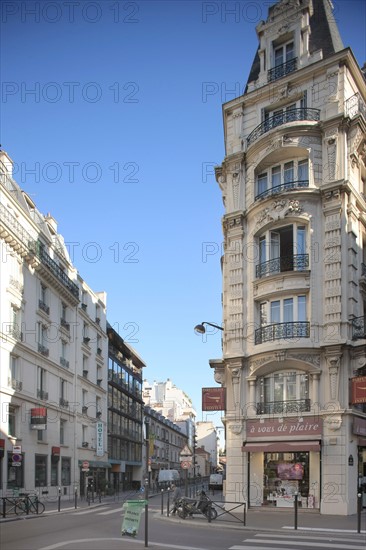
<point>326,530</point>
<point>288,542</point>
<point>310,537</point>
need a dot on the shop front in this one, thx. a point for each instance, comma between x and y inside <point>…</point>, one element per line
<point>359,430</point>
<point>283,458</point>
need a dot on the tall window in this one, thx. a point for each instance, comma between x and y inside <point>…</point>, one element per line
<point>40,473</point>
<point>282,249</point>
<point>283,386</point>
<point>62,432</point>
<point>12,431</point>
<point>14,373</point>
<point>293,174</point>
<point>283,53</point>
<point>65,471</point>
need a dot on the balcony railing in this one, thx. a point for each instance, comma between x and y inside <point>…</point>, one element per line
<point>359,327</point>
<point>15,332</point>
<point>355,105</point>
<point>282,331</point>
<point>363,270</point>
<point>282,70</point>
<point>288,186</point>
<point>41,394</point>
<point>64,362</point>
<point>43,350</point>
<point>22,234</point>
<point>281,407</point>
<point>296,262</point>
<point>44,307</point>
<point>291,115</point>
<point>17,385</point>
<point>56,269</point>
<point>65,324</point>
<point>63,402</point>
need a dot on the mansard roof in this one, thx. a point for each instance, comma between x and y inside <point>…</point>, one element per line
<point>324,34</point>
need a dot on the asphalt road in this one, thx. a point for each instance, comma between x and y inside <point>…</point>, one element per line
<point>100,529</point>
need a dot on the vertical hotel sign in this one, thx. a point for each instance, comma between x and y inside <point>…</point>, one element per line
<point>100,446</point>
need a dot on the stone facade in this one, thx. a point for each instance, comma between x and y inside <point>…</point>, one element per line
<point>294,296</point>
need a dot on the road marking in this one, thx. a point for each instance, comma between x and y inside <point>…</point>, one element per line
<point>326,530</point>
<point>309,537</point>
<point>120,539</point>
<point>303,543</point>
<point>116,511</point>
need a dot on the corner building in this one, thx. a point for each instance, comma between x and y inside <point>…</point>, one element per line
<point>294,275</point>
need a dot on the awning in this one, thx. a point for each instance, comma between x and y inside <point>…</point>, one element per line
<point>281,447</point>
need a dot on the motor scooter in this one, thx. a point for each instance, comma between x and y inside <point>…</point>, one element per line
<point>190,507</point>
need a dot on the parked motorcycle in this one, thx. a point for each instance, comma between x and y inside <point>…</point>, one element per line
<point>203,506</point>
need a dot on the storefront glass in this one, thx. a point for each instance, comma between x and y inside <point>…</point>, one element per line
<point>284,475</point>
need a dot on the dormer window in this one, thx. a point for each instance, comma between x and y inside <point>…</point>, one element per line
<point>284,60</point>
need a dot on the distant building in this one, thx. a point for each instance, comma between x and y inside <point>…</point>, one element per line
<point>125,413</point>
<point>53,355</point>
<point>207,438</point>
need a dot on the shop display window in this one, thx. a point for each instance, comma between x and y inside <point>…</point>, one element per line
<point>284,475</point>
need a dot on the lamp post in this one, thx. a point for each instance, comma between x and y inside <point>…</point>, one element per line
<point>200,329</point>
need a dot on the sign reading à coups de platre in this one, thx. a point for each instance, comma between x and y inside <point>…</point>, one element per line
<point>132,516</point>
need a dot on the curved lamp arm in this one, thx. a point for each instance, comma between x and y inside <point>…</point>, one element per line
<point>201,329</point>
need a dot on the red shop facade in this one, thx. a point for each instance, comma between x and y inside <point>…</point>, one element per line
<point>284,459</point>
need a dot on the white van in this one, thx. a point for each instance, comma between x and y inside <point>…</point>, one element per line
<point>215,481</point>
<point>167,477</point>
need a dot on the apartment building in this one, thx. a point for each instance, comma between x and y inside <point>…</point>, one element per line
<point>293,182</point>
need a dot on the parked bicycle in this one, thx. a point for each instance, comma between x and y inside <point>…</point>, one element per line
<point>29,504</point>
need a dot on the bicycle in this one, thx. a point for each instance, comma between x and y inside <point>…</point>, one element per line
<point>29,504</point>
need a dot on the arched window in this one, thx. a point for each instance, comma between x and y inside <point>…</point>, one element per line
<point>283,392</point>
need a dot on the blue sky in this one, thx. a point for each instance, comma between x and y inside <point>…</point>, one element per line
<point>111,111</point>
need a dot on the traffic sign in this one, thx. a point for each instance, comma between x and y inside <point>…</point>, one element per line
<point>185,452</point>
<point>85,466</point>
<point>185,464</point>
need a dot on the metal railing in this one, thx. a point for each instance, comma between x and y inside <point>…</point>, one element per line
<point>282,70</point>
<point>22,234</point>
<point>279,407</point>
<point>296,262</point>
<point>363,270</point>
<point>282,331</point>
<point>291,115</point>
<point>41,394</point>
<point>56,269</point>
<point>288,186</point>
<point>43,350</point>
<point>359,327</point>
<point>355,105</point>
<point>43,306</point>
<point>17,385</point>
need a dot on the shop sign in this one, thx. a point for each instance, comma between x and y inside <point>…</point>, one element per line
<point>213,399</point>
<point>358,390</point>
<point>132,516</point>
<point>309,426</point>
<point>39,418</point>
<point>100,446</point>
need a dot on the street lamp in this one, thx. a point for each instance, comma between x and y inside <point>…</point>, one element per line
<point>200,329</point>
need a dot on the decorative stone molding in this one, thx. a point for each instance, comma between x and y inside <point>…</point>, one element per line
<point>333,422</point>
<point>333,362</point>
<point>278,210</point>
<point>306,357</point>
<point>236,427</point>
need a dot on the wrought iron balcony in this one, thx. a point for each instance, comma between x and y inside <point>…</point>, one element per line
<point>15,331</point>
<point>282,70</point>
<point>55,269</point>
<point>296,262</point>
<point>64,362</point>
<point>288,186</point>
<point>355,105</point>
<point>363,270</point>
<point>281,407</point>
<point>44,307</point>
<point>17,385</point>
<point>359,327</point>
<point>65,324</point>
<point>282,331</point>
<point>43,350</point>
<point>41,394</point>
<point>63,402</point>
<point>291,115</point>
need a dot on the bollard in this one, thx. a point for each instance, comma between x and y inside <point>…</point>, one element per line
<point>76,497</point>
<point>162,502</point>
<point>359,508</point>
<point>209,512</point>
<point>168,502</point>
<point>296,506</point>
<point>146,513</point>
<point>59,499</point>
<point>4,507</point>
